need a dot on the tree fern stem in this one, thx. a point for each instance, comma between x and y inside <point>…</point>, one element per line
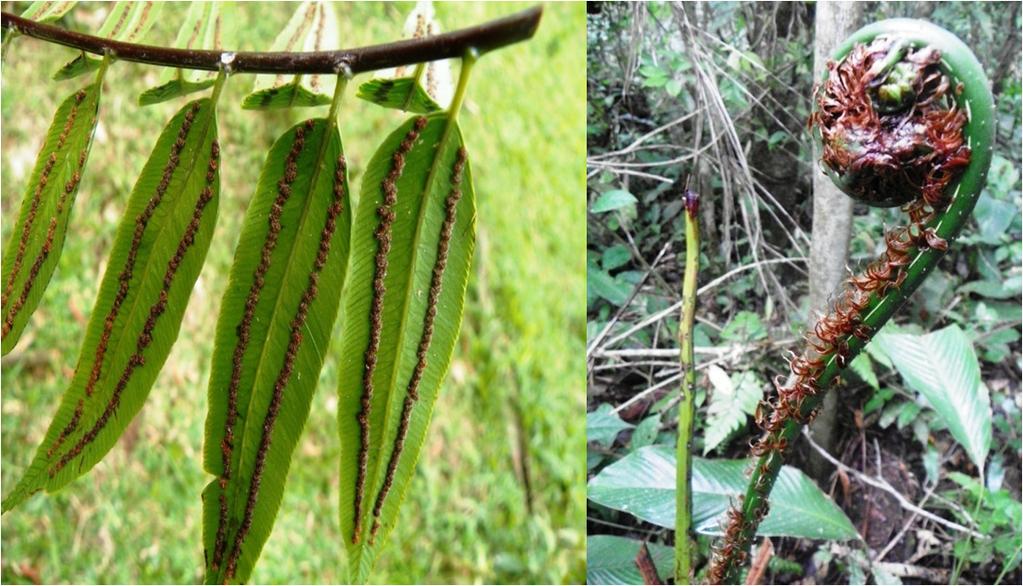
<point>683,456</point>
<point>954,166</point>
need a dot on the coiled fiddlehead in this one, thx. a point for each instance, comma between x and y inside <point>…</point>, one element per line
<point>905,117</point>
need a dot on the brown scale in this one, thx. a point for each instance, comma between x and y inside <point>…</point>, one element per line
<point>19,257</point>
<point>412,392</point>
<point>244,327</point>
<point>385,211</point>
<point>155,311</point>
<point>297,323</point>
<point>845,110</point>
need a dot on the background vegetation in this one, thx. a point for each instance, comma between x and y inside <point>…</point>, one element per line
<point>721,93</point>
<point>498,495</point>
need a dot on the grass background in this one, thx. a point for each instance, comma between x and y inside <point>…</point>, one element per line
<point>499,492</point>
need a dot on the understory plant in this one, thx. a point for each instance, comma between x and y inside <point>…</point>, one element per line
<point>392,263</point>
<point>905,117</point>
<point>683,450</point>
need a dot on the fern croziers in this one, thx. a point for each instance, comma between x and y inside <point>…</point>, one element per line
<point>905,117</point>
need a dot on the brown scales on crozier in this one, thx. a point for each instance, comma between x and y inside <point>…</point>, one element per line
<point>33,210</point>
<point>243,330</point>
<point>385,211</point>
<point>297,323</point>
<point>883,154</point>
<point>125,276</point>
<point>888,149</point>
<point>412,392</point>
<point>155,311</point>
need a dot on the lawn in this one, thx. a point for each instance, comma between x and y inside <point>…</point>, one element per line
<point>499,493</point>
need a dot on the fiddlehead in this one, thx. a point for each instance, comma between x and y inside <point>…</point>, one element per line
<point>905,117</point>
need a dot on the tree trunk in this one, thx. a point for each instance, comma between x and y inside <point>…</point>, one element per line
<point>832,218</point>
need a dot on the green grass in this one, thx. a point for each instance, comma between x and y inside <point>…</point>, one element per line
<point>513,399</point>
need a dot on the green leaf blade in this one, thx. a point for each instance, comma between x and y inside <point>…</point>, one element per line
<point>287,96</point>
<point>614,199</point>
<point>403,93</point>
<point>603,425</point>
<point>424,207</point>
<point>942,366</point>
<point>300,208</point>
<point>199,30</point>
<point>48,10</point>
<point>159,250</point>
<point>643,484</point>
<point>126,21</point>
<point>35,245</point>
<point>611,559</point>
<point>734,399</point>
<point>312,27</point>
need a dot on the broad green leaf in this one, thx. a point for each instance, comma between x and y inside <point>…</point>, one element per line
<point>745,326</point>
<point>734,399</point>
<point>403,93</point>
<point>646,432</point>
<point>615,257</point>
<point>614,199</point>
<point>643,485</point>
<point>603,425</point>
<point>412,242</point>
<point>47,10</point>
<point>127,21</point>
<point>313,27</point>
<point>31,254</point>
<point>611,559</point>
<point>864,369</point>
<point>200,30</point>
<point>943,367</point>
<point>156,258</point>
<point>601,284</point>
<point>272,335</point>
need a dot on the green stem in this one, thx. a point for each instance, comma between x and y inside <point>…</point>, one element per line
<point>976,100</point>
<point>468,60</point>
<point>969,539</point>
<point>218,86</point>
<point>5,46</point>
<point>1006,566</point>
<point>683,449</point>
<point>415,82</point>
<point>343,78</point>
<point>103,68</point>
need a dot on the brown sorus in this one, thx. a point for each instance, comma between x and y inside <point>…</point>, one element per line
<point>433,298</point>
<point>284,375</point>
<point>244,327</point>
<point>385,211</point>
